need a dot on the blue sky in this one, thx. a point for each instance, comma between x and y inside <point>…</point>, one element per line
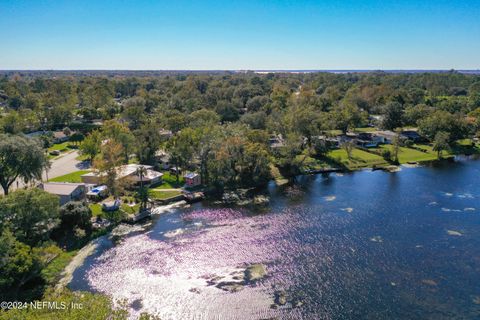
<point>203,35</point>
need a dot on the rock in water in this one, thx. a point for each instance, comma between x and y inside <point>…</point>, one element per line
<point>255,272</point>
<point>230,286</point>
<point>280,298</point>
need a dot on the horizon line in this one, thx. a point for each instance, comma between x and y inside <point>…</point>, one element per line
<point>249,70</point>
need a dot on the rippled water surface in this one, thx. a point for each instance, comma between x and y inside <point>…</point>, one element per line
<point>367,245</point>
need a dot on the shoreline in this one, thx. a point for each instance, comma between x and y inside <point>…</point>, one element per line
<point>91,247</point>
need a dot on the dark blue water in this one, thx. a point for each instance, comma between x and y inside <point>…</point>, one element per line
<point>366,245</point>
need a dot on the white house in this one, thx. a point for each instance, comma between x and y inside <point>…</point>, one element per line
<point>128,172</point>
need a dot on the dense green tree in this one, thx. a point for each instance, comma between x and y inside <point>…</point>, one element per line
<point>348,146</point>
<point>12,123</point>
<point>291,156</point>
<point>17,263</point>
<point>31,214</point>
<point>454,125</point>
<point>415,113</point>
<point>75,214</point>
<point>181,148</point>
<point>76,137</point>
<point>91,145</point>
<point>392,116</point>
<point>441,143</point>
<point>255,120</point>
<point>134,112</point>
<point>346,116</point>
<point>107,166</point>
<point>147,142</point>
<point>227,111</point>
<point>203,117</point>
<point>20,157</point>
<point>120,133</point>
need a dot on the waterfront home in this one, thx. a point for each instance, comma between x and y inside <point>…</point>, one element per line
<point>411,135</point>
<point>387,135</point>
<point>129,173</point>
<point>192,179</point>
<point>369,140</point>
<point>65,191</point>
<point>345,137</point>
<point>329,142</point>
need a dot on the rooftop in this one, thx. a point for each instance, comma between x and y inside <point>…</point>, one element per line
<point>60,188</point>
<point>191,175</point>
<point>130,169</point>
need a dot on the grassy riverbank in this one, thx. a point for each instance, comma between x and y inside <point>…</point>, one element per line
<point>363,158</point>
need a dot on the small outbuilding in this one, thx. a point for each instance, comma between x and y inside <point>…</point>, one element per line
<point>192,179</point>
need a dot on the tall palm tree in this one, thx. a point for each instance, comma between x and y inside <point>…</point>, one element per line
<point>141,172</point>
<point>142,192</point>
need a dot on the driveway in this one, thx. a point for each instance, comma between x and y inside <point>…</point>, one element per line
<point>65,164</point>
<point>60,166</point>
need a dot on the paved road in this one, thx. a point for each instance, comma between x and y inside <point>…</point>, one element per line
<point>60,166</point>
<point>65,164</point>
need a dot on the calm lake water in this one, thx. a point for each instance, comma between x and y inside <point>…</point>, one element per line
<point>366,245</point>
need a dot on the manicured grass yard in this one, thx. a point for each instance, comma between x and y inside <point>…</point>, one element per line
<point>125,207</point>
<point>130,209</point>
<point>412,155</point>
<point>169,181</point>
<point>158,194</point>
<point>360,159</point>
<point>366,129</point>
<point>73,177</point>
<point>96,209</point>
<point>62,147</point>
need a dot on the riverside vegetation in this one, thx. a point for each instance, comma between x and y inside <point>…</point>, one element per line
<point>219,124</point>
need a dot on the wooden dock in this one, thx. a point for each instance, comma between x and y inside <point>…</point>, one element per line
<point>140,216</point>
<point>191,197</point>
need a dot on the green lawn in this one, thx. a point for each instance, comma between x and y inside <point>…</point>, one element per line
<point>158,194</point>
<point>82,157</point>
<point>169,181</point>
<point>360,159</point>
<point>406,155</point>
<point>73,177</point>
<point>130,209</point>
<point>125,207</point>
<point>62,147</point>
<point>366,129</point>
<point>466,146</point>
<point>310,163</point>
<point>96,209</point>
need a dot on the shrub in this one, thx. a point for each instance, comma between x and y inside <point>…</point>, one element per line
<point>387,155</point>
